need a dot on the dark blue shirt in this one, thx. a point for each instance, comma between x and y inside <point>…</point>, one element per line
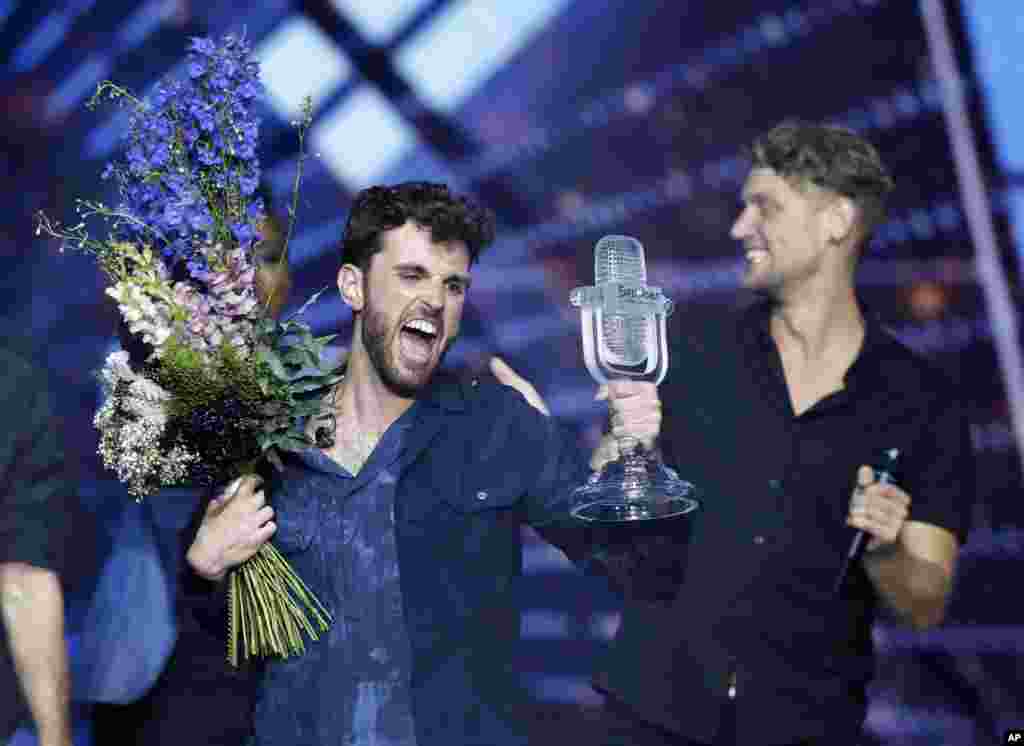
<point>424,619</point>
<point>354,689</point>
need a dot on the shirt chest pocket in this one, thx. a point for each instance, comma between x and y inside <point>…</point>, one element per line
<point>297,514</point>
<point>437,491</point>
<point>485,498</point>
<point>481,520</point>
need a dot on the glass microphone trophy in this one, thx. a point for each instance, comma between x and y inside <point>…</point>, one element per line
<point>623,324</point>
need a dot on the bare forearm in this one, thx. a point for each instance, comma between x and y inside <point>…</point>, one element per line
<point>33,614</point>
<point>916,589</point>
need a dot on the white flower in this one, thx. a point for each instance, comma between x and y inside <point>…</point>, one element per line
<point>131,447</point>
<point>150,411</point>
<point>145,389</point>
<point>115,369</point>
<point>130,314</point>
<point>116,292</point>
<point>117,363</point>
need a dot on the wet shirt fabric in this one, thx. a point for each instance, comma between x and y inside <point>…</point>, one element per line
<point>415,558</point>
<point>753,607</point>
<point>354,689</point>
<point>34,489</point>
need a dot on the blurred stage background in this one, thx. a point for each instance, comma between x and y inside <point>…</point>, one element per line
<point>573,119</point>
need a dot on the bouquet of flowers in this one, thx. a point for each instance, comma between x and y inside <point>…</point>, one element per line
<point>220,384</point>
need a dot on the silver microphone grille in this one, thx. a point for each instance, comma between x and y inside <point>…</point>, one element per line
<point>619,259</point>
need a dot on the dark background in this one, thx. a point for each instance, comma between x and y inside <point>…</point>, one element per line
<point>625,116</point>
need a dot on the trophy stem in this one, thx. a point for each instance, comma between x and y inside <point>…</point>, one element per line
<point>634,465</point>
<point>634,487</point>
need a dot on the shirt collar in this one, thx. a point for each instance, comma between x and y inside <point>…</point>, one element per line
<point>755,329</point>
<point>444,391</point>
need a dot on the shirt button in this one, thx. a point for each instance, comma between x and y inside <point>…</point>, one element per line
<point>481,495</point>
<point>759,539</point>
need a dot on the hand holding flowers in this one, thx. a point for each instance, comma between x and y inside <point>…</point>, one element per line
<point>236,524</point>
<point>216,383</point>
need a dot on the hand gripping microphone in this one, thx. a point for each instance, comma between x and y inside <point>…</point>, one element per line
<point>885,473</point>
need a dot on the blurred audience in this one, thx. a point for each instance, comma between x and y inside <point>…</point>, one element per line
<point>34,680</point>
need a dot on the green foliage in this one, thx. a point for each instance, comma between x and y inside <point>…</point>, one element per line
<point>289,358</point>
<point>198,379</point>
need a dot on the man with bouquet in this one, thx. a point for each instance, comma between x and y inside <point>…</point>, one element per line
<point>405,520</point>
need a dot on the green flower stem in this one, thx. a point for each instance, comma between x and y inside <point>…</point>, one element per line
<point>290,616</point>
<point>297,586</point>
<point>263,595</point>
<point>267,595</point>
<point>293,208</point>
<point>250,626</point>
<point>236,611</point>
<point>290,611</point>
<point>271,609</point>
<point>233,620</point>
<point>262,640</point>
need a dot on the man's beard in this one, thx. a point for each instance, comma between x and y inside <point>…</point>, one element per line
<point>380,345</point>
<point>776,281</point>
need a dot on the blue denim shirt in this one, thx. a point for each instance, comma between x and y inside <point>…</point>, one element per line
<point>468,465</point>
<point>354,690</point>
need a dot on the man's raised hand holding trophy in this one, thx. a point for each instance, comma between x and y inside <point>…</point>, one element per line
<point>623,322</point>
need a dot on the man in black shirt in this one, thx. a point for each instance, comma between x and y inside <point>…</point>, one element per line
<point>778,412</point>
<point>33,658</point>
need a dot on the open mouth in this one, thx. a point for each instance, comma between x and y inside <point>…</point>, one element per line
<point>418,338</point>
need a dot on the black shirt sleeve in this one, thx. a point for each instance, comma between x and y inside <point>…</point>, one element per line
<point>939,472</point>
<point>34,486</point>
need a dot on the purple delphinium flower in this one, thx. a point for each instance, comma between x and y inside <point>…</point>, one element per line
<point>197,267</point>
<point>199,219</point>
<point>190,171</point>
<point>207,155</point>
<point>172,214</point>
<point>197,67</point>
<point>247,183</point>
<point>160,155</point>
<point>202,45</point>
<point>245,234</point>
<point>204,114</point>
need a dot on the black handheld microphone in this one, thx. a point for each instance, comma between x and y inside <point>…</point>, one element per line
<point>885,473</point>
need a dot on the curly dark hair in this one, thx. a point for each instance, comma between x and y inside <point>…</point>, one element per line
<point>382,208</point>
<point>830,157</point>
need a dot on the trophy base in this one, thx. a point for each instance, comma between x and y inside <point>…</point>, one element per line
<point>621,511</point>
<point>621,494</point>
